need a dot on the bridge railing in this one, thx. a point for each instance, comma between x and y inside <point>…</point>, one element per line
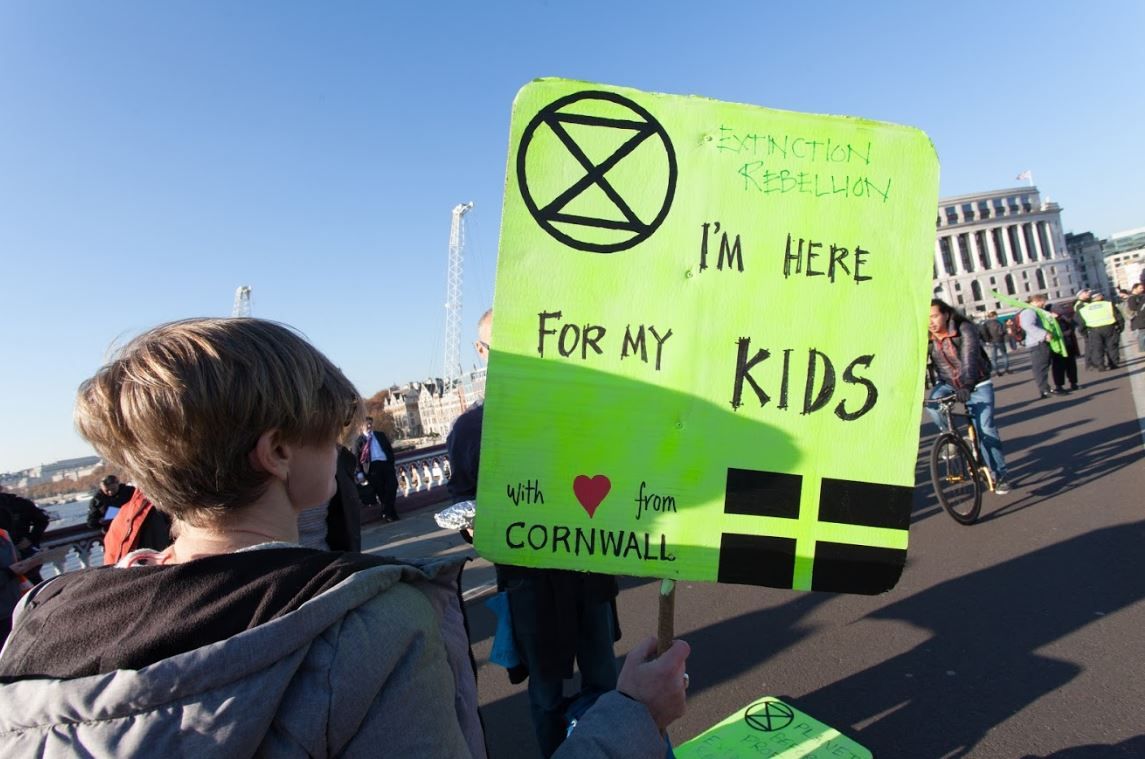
<point>81,547</point>
<point>422,469</point>
<point>422,475</point>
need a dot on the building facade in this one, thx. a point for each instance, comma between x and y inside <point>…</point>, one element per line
<point>1089,260</point>
<point>1125,258</point>
<point>429,409</point>
<point>1008,241</point>
<point>402,407</point>
<point>65,469</point>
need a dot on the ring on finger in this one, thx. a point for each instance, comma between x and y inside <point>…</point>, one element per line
<point>687,680</point>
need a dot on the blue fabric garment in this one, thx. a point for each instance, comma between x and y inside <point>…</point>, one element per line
<point>999,358</point>
<point>981,406</point>
<point>504,651</point>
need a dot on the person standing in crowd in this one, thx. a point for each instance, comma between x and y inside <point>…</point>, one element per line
<point>1122,304</point>
<point>1065,367</point>
<point>557,615</point>
<point>964,370</point>
<point>464,441</point>
<point>375,458</point>
<point>1103,325</point>
<point>337,524</point>
<point>1082,299</point>
<point>995,336</point>
<point>107,501</point>
<point>1014,334</point>
<point>236,641</point>
<point>1038,342</point>
<point>15,574</point>
<point>28,523</point>
<point>137,524</point>
<point>1137,313</point>
<point>11,583</point>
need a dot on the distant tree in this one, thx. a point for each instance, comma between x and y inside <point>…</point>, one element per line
<point>375,407</point>
<point>49,489</point>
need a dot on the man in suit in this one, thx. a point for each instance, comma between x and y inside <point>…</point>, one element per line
<point>375,458</point>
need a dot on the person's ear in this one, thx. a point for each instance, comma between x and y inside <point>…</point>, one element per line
<point>271,454</point>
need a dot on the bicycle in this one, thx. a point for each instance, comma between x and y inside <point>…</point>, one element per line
<point>956,467</point>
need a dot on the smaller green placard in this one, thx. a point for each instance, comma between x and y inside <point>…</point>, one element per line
<point>770,728</point>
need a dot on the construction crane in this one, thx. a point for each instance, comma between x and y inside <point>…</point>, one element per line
<point>452,368</point>
<point>242,302</point>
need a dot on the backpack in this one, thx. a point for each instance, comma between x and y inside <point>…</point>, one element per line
<point>1015,329</point>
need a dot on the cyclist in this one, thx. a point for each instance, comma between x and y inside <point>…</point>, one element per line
<point>964,369</point>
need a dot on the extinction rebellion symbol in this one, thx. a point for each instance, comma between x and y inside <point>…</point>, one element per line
<point>769,716</point>
<point>623,162</point>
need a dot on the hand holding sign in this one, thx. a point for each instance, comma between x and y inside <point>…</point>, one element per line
<point>659,683</point>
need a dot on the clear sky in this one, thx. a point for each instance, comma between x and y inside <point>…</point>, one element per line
<point>155,156</point>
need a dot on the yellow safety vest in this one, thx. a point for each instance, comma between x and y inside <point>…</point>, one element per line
<point>1098,314</point>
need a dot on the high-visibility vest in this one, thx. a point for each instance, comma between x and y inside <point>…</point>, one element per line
<point>1099,314</point>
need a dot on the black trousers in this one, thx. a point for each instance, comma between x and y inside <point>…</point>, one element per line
<point>1040,366</point>
<point>385,483</point>
<point>1102,341</point>
<point>1063,367</point>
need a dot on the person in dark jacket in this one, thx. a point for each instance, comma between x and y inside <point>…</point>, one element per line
<point>28,525</point>
<point>1065,367</point>
<point>557,615</point>
<point>15,574</point>
<point>1136,304</point>
<point>344,516</point>
<point>29,521</point>
<point>112,494</point>
<point>994,334</point>
<point>964,370</point>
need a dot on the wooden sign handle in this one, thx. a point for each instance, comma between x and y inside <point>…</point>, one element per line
<point>665,629</point>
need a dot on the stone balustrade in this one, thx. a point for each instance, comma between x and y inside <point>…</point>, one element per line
<point>81,547</point>
<point>422,470</point>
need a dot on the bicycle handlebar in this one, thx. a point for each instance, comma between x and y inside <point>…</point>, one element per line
<point>942,399</point>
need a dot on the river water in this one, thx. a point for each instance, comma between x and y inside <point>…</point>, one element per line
<point>69,514</point>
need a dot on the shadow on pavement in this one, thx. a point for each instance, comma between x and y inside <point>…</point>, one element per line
<point>1086,458</point>
<point>1132,747</point>
<point>959,686</point>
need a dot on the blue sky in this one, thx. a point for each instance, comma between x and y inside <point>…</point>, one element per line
<point>155,156</point>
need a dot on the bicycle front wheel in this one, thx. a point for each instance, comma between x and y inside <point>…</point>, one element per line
<point>955,478</point>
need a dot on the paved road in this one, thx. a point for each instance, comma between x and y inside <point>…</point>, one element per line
<point>1022,635</point>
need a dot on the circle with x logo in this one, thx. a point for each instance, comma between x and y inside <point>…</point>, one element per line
<point>596,171</point>
<point>769,716</point>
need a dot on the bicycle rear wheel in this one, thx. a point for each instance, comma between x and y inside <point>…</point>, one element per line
<point>955,478</point>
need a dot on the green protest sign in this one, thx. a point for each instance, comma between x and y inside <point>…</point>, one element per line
<point>1047,320</point>
<point>708,342</point>
<point>769,727</point>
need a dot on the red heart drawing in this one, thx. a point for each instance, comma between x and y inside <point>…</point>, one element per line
<point>590,491</point>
